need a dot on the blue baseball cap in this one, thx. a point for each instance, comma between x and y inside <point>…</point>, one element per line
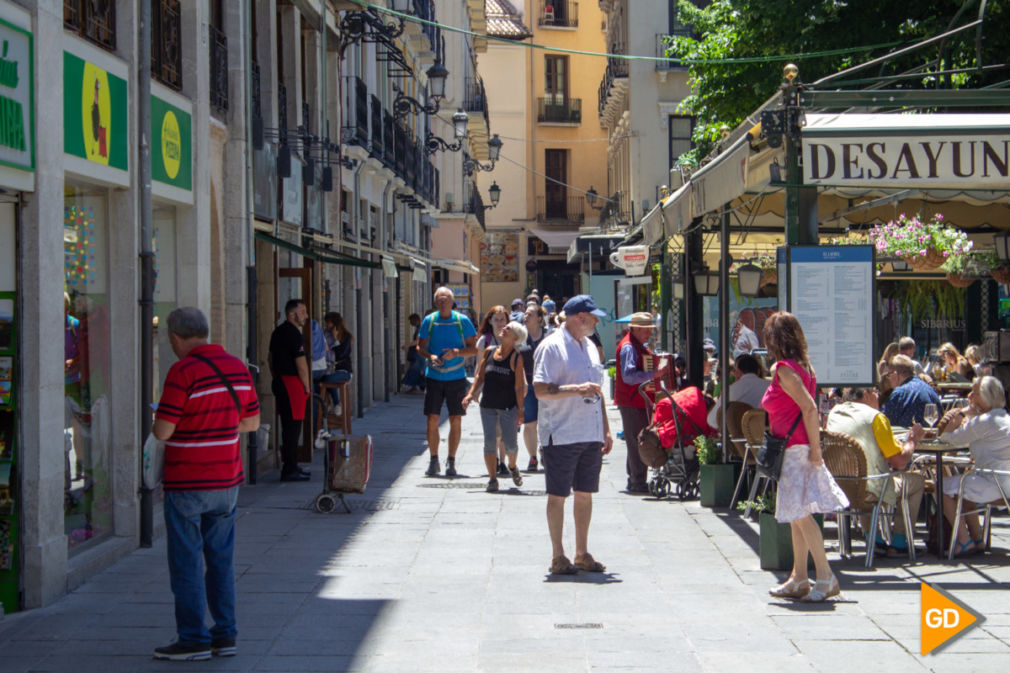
<point>583,303</point>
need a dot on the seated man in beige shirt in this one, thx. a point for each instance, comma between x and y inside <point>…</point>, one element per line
<point>859,417</point>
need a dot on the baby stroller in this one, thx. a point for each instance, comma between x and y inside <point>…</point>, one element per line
<point>676,473</point>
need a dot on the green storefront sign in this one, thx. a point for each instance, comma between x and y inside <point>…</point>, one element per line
<point>17,84</point>
<point>172,146</point>
<point>94,113</point>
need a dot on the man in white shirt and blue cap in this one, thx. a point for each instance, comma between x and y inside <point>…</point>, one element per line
<point>572,427</point>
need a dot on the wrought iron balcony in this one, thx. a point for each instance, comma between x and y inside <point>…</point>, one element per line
<point>559,14</point>
<point>475,205</point>
<point>94,20</point>
<point>557,108</point>
<point>166,43</point>
<point>474,96</point>
<point>375,147</point>
<point>388,140</point>
<point>558,207</point>
<point>614,84</point>
<point>355,130</point>
<point>218,69</point>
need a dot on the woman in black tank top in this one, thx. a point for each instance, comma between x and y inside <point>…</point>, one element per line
<point>501,377</point>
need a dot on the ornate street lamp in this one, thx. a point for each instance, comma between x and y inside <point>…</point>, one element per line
<point>706,282</point>
<point>403,104</point>
<point>1002,242</point>
<point>494,193</point>
<point>749,277</point>
<point>432,143</point>
<point>470,166</point>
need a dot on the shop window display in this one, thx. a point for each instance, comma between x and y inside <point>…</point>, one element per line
<point>164,292</point>
<point>87,416</point>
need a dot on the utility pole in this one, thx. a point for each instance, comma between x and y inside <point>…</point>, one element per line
<point>146,263</point>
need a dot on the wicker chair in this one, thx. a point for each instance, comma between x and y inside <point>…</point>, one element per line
<point>753,424</point>
<point>845,460</point>
<point>737,441</point>
<point>980,508</point>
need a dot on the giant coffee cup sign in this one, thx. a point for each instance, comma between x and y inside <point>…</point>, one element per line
<point>632,258</point>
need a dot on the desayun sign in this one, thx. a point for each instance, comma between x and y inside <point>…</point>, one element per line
<point>940,155</point>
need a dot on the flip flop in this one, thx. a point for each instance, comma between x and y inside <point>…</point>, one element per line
<point>560,565</point>
<point>588,564</point>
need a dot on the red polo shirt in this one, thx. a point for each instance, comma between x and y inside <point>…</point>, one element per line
<point>203,452</point>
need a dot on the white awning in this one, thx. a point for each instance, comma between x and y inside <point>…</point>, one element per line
<point>677,211</point>
<point>557,241</point>
<point>722,180</point>
<point>455,265</point>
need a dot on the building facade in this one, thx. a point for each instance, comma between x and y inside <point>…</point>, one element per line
<point>280,168</point>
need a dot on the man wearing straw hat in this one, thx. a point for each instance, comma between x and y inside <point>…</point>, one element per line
<point>634,367</point>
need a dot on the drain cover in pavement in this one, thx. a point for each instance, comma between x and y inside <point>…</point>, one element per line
<point>582,625</point>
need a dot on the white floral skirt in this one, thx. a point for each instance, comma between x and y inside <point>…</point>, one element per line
<point>805,489</point>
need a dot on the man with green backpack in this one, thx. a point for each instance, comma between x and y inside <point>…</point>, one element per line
<point>445,338</point>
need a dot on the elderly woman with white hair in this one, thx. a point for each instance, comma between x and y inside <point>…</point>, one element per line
<point>983,427</point>
<point>502,379</point>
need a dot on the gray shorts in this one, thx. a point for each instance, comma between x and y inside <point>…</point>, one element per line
<point>492,420</point>
<point>572,466</point>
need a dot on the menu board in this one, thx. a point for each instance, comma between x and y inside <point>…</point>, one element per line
<point>831,292</point>
<point>499,257</point>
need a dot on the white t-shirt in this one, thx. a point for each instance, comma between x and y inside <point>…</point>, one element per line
<point>563,360</point>
<point>746,341</point>
<point>749,389</point>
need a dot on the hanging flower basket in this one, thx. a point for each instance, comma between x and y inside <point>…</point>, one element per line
<point>1001,275</point>
<point>929,260</point>
<point>769,277</point>
<point>924,245</point>
<point>957,280</point>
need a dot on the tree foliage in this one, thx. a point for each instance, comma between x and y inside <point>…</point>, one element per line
<point>725,93</point>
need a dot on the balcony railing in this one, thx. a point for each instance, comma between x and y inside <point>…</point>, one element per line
<point>475,205</point>
<point>616,68</point>
<point>166,43</point>
<point>571,207</point>
<point>559,13</point>
<point>474,97</point>
<point>218,69</point>
<point>557,108</point>
<point>375,147</point>
<point>94,20</point>
<point>356,124</point>
<point>388,140</point>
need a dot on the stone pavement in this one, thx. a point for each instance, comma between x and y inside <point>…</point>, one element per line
<point>433,574</point>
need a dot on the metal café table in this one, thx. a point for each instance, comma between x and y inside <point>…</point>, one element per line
<point>938,448</point>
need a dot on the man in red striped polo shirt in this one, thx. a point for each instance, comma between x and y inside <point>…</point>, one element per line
<point>207,400</point>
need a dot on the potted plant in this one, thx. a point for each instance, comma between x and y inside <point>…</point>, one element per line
<point>999,271</point>
<point>924,245</point>
<point>717,478</point>
<point>775,543</point>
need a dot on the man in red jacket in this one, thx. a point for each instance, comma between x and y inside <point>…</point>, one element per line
<point>633,369</point>
<point>208,400</point>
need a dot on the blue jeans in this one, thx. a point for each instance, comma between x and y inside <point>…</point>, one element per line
<point>200,527</point>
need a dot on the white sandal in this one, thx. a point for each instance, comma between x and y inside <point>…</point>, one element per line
<point>823,590</point>
<point>791,589</point>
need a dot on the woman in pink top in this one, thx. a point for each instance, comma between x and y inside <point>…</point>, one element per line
<point>805,485</point>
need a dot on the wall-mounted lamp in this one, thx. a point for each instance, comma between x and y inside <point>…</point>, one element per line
<point>433,143</point>
<point>470,166</point>
<point>403,104</point>
<point>368,26</point>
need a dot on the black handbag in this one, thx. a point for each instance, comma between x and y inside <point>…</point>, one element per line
<point>770,454</point>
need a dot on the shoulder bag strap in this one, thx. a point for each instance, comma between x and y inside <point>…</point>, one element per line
<point>234,395</point>
<point>795,424</point>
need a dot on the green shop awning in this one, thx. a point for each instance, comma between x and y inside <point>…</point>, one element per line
<point>330,257</point>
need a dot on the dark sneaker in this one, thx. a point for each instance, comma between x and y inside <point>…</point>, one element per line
<point>517,478</point>
<point>433,467</point>
<point>294,476</point>
<point>183,652</point>
<point>532,467</point>
<point>503,471</point>
<point>450,467</point>
<point>223,647</point>
<point>492,485</point>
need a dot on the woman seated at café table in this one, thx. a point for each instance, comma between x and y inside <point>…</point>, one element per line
<point>955,366</point>
<point>984,427</point>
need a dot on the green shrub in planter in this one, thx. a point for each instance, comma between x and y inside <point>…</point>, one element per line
<point>716,477</point>
<point>775,546</point>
